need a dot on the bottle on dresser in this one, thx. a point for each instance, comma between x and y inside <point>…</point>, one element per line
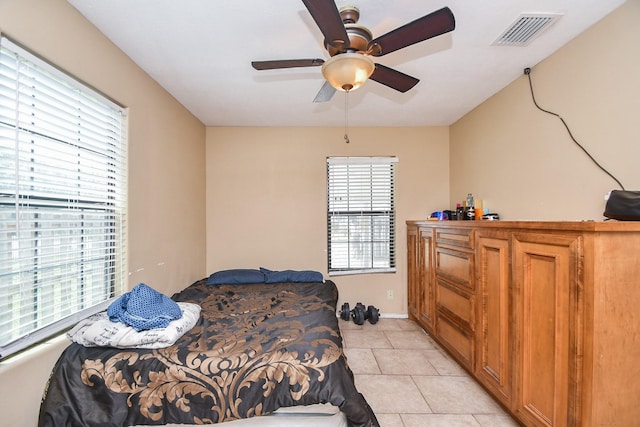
<point>469,212</point>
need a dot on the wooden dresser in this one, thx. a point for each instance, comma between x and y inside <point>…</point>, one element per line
<point>545,315</point>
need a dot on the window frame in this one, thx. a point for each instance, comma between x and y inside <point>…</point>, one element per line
<point>381,186</point>
<point>91,255</point>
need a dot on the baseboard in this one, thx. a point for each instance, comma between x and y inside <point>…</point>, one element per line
<point>394,316</point>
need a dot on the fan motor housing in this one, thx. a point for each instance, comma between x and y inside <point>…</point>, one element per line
<point>359,38</point>
<point>349,14</point>
<point>359,35</point>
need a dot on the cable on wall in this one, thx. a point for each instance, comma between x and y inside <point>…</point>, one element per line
<point>527,71</point>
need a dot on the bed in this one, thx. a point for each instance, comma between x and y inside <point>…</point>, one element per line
<point>257,348</point>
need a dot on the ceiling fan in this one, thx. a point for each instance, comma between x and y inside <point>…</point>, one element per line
<point>351,47</point>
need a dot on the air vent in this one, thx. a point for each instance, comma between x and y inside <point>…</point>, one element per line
<point>526,28</point>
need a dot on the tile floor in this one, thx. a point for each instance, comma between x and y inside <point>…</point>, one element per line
<point>409,381</point>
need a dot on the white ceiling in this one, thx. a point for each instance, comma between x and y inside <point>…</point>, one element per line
<point>200,51</point>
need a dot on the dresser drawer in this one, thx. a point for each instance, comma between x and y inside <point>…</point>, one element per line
<point>460,237</point>
<point>457,340</point>
<point>455,266</point>
<point>458,303</point>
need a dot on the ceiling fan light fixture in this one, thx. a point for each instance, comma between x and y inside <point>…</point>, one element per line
<point>348,71</point>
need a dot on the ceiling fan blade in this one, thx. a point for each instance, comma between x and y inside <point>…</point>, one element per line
<point>286,63</point>
<point>325,93</point>
<point>328,19</point>
<point>394,79</point>
<point>432,25</point>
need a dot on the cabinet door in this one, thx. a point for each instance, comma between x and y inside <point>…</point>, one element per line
<point>413,273</point>
<point>547,277</point>
<point>427,288</point>
<point>494,330</point>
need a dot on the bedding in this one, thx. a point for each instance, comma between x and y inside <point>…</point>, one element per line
<point>144,308</point>
<point>99,331</point>
<point>255,348</point>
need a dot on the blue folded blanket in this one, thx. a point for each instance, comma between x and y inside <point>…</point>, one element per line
<point>144,308</point>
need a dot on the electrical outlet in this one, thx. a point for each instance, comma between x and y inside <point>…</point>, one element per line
<point>389,293</point>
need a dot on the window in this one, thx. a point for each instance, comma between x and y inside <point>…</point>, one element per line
<point>62,199</point>
<point>361,214</point>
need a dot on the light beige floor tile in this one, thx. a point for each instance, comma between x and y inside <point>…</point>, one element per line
<point>391,394</point>
<point>365,339</point>
<point>405,376</point>
<point>362,361</point>
<point>410,340</point>
<point>456,395</point>
<point>403,362</point>
<point>443,363</point>
<point>345,325</point>
<point>496,420</point>
<point>394,325</point>
<point>390,420</point>
<point>438,420</point>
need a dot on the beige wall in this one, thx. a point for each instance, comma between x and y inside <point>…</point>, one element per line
<point>266,198</point>
<point>265,187</point>
<point>166,215</point>
<point>523,162</point>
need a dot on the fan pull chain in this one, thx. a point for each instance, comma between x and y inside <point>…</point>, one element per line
<point>346,116</point>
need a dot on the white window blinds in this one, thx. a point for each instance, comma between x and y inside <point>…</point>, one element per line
<point>62,199</point>
<point>361,214</point>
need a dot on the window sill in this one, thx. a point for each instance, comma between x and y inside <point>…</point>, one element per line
<point>363,271</point>
<point>55,343</point>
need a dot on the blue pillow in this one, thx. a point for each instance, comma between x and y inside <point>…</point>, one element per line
<point>236,276</point>
<point>291,276</point>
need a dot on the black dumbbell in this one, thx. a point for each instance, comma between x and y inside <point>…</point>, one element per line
<point>372,315</point>
<point>359,314</point>
<point>345,313</point>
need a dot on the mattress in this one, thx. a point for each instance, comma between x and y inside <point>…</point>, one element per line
<point>320,415</point>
